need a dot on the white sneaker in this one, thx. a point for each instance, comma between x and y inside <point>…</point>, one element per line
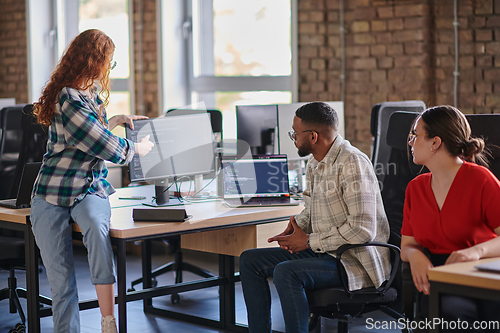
<point>108,324</point>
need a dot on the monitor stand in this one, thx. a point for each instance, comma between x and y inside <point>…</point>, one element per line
<point>162,195</point>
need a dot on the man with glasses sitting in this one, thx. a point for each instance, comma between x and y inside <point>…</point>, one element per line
<point>342,205</point>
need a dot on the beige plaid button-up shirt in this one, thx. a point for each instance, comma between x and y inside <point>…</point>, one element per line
<point>343,205</point>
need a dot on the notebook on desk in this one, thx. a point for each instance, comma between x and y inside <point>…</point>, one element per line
<point>492,266</point>
<point>23,199</point>
<point>256,181</point>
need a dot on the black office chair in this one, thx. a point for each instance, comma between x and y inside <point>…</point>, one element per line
<point>33,144</point>
<point>34,139</point>
<point>342,304</point>
<point>215,119</point>
<point>12,258</point>
<point>399,169</point>
<point>487,126</point>
<point>378,127</point>
<point>174,242</point>
<point>10,145</point>
<point>402,170</point>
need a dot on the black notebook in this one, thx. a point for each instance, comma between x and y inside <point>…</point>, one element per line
<point>160,215</point>
<point>23,199</point>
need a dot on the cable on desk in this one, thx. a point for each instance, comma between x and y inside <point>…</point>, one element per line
<point>191,198</point>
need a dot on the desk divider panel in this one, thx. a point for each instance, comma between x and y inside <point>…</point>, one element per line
<point>233,241</point>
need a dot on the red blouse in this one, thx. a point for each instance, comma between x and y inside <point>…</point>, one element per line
<point>469,215</point>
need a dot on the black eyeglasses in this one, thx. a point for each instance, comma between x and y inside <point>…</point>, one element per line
<point>112,64</point>
<point>412,136</point>
<point>293,135</point>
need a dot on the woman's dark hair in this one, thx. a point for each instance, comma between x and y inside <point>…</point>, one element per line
<point>318,113</point>
<point>452,127</point>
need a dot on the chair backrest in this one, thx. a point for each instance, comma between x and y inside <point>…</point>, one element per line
<point>400,168</point>
<point>215,117</point>
<point>10,144</point>
<point>10,124</point>
<point>33,144</point>
<point>378,127</point>
<point>487,126</point>
<point>399,171</point>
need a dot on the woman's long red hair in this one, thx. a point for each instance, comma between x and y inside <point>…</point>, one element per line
<point>86,61</point>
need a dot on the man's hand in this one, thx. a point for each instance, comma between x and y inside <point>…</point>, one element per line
<point>293,239</point>
<point>287,231</point>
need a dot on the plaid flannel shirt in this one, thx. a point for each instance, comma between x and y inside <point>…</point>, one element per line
<point>78,144</point>
<point>343,205</point>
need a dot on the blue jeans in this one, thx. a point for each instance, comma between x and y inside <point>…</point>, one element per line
<point>292,275</point>
<point>53,234</point>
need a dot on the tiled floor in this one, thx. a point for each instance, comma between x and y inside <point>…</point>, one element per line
<point>204,303</point>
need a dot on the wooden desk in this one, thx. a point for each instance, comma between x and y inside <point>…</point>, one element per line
<point>209,216</point>
<point>464,280</point>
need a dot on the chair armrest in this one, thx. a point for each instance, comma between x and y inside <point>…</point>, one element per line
<point>394,263</point>
<point>409,299</point>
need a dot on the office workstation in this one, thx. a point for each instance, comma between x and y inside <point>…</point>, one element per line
<point>253,65</point>
<point>464,279</point>
<point>177,157</point>
<point>209,216</point>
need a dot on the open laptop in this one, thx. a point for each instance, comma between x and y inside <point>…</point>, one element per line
<point>256,181</point>
<point>23,200</point>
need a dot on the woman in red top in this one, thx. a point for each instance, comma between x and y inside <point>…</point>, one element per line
<point>452,213</point>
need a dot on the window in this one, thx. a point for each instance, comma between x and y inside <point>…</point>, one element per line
<point>239,52</point>
<point>244,38</point>
<point>112,18</point>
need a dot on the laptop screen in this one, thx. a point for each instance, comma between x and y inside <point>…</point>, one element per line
<point>259,176</point>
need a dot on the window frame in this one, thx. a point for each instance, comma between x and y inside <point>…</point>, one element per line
<point>67,30</point>
<point>207,84</point>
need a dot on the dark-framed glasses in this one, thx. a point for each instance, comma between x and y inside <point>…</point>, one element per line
<point>293,135</point>
<point>112,64</point>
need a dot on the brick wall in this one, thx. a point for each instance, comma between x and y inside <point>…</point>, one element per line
<point>398,50</point>
<point>149,57</point>
<point>479,50</point>
<point>13,51</point>
<point>395,50</point>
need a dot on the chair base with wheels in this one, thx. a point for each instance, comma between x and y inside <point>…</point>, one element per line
<point>12,258</point>
<point>13,247</point>
<point>177,266</point>
<point>344,305</point>
<point>11,292</point>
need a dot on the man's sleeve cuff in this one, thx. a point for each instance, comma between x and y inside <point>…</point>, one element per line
<point>314,243</point>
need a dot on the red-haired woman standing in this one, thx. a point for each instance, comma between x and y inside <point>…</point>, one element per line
<point>71,184</point>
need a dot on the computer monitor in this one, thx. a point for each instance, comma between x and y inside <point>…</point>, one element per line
<point>257,125</point>
<point>183,146</point>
